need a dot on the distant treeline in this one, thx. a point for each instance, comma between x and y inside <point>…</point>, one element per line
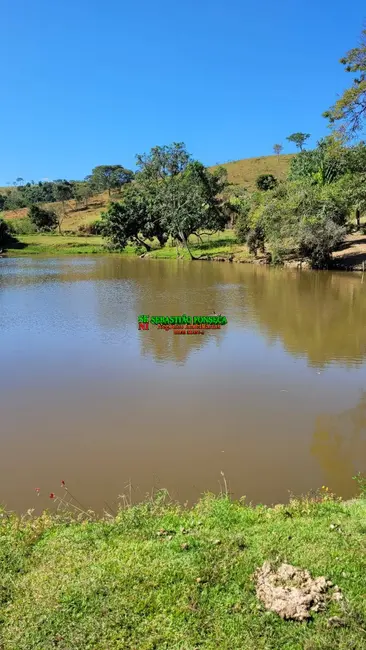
<point>103,178</point>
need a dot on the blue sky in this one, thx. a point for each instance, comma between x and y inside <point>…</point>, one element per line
<point>86,82</point>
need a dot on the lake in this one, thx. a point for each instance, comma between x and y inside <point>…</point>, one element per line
<point>275,400</point>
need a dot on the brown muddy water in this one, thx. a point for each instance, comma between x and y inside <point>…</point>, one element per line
<point>276,399</point>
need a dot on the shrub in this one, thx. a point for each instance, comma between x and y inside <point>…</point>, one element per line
<point>44,220</point>
<point>255,239</point>
<point>23,226</point>
<point>266,182</point>
<point>317,240</point>
<point>93,228</point>
<point>6,234</point>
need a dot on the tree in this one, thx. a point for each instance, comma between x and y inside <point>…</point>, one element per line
<point>135,218</point>
<point>302,218</point>
<point>317,238</point>
<point>350,109</point>
<point>190,201</point>
<point>266,182</point>
<point>44,220</point>
<point>108,177</point>
<point>83,192</point>
<point>353,189</point>
<point>171,197</point>
<point>122,223</point>
<point>6,235</point>
<point>322,165</point>
<point>161,162</point>
<point>277,148</point>
<point>299,139</point>
<point>63,191</point>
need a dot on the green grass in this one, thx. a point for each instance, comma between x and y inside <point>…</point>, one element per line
<point>41,244</point>
<point>219,244</point>
<point>159,576</point>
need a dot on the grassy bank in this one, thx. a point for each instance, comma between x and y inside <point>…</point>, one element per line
<point>41,244</point>
<point>158,576</point>
<point>218,244</point>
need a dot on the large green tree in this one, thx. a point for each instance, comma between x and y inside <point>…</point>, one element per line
<point>109,177</point>
<point>172,196</point>
<point>190,201</point>
<point>349,111</point>
<point>162,162</point>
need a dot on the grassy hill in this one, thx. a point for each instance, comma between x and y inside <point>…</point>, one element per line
<point>245,172</point>
<point>240,172</point>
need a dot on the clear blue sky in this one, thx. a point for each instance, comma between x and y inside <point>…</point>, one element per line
<point>86,82</point>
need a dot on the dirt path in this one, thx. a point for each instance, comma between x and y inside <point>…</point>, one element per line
<point>352,253</point>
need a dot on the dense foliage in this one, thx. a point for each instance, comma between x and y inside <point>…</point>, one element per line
<point>266,182</point>
<point>349,111</point>
<point>6,235</point>
<point>298,139</point>
<point>109,177</point>
<point>43,220</point>
<point>173,196</point>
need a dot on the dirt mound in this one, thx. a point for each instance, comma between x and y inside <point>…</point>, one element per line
<point>291,592</point>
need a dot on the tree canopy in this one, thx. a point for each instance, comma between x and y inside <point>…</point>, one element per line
<point>109,177</point>
<point>298,139</point>
<point>173,196</point>
<point>349,111</point>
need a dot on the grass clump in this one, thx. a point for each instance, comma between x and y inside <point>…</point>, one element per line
<point>158,575</point>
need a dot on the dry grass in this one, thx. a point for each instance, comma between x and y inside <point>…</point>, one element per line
<point>245,172</point>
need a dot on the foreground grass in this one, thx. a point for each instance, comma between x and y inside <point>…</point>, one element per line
<point>161,576</point>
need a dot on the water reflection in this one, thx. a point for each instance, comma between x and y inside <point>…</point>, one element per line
<point>339,444</point>
<point>86,396</point>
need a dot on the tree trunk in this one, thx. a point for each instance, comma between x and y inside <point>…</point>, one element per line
<point>141,241</point>
<point>358,216</point>
<point>185,242</point>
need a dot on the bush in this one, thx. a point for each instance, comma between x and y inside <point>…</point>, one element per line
<point>6,234</point>
<point>317,240</point>
<point>23,226</point>
<point>93,228</point>
<point>44,220</point>
<point>266,182</point>
<point>255,239</point>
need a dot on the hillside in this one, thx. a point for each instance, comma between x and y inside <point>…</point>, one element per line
<point>240,172</point>
<point>245,172</point>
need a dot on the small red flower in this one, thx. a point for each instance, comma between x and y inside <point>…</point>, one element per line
<point>62,483</point>
<point>52,496</point>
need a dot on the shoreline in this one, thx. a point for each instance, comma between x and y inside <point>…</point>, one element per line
<point>221,247</point>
